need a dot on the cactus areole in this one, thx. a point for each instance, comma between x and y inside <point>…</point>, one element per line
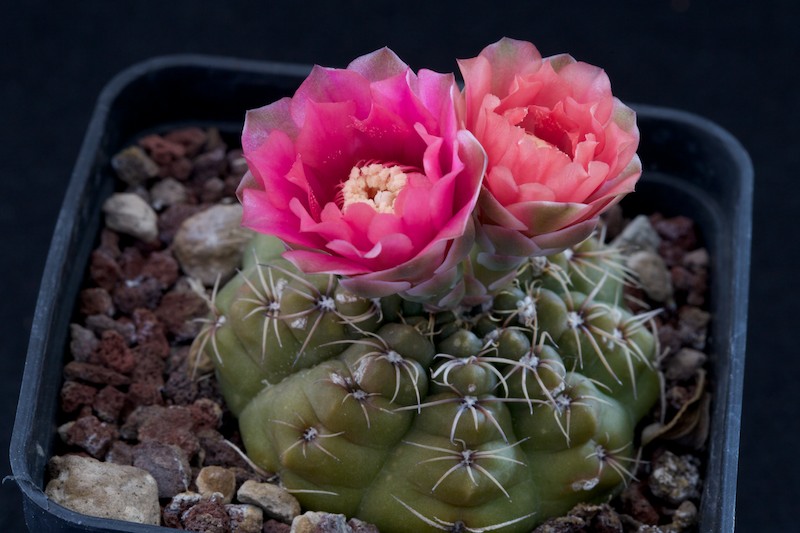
<point>386,355</point>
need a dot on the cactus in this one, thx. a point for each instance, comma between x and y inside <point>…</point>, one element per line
<point>486,419</point>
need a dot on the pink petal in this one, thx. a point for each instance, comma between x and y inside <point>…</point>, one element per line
<point>373,288</point>
<point>319,263</point>
<point>378,65</point>
<point>259,123</point>
<point>328,85</point>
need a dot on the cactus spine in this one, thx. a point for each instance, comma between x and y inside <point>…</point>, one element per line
<point>487,419</point>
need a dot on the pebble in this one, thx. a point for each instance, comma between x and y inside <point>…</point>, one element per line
<point>694,326</point>
<point>133,166</point>
<point>652,273</point>
<point>210,243</point>
<point>167,192</point>
<point>276,502</point>
<point>674,478</point>
<point>359,526</point>
<point>273,526</point>
<point>313,522</point>
<point>685,517</point>
<point>215,479</point>
<point>245,518</point>
<point>684,364</point>
<point>102,489</point>
<point>127,213</point>
<point>696,259</point>
<point>638,235</point>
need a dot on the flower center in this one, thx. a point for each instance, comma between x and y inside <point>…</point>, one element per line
<point>374,184</point>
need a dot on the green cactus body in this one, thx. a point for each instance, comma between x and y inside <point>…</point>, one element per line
<point>492,419</point>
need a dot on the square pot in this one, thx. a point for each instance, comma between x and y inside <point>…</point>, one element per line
<point>691,167</point>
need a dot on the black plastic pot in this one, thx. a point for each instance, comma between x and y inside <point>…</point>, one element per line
<point>692,167</point>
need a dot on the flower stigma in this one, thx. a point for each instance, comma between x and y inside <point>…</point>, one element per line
<point>374,184</point>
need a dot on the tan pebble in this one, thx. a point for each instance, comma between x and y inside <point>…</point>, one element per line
<point>276,502</point>
<point>213,479</point>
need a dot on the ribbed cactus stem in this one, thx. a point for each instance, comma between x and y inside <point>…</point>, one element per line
<point>485,418</point>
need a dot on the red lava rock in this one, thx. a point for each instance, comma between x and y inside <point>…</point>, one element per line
<point>131,262</point>
<point>210,164</point>
<point>636,504</point>
<point>180,388</point>
<point>171,425</point>
<point>120,453</point>
<point>109,243</point>
<point>208,516</point>
<point>679,230</point>
<point>168,464</point>
<point>192,139</point>
<point>149,366</point>
<point>94,374</point>
<point>96,301</point>
<point>180,169</point>
<point>108,403</point>
<point>82,342</point>
<point>219,453</point>
<point>151,332</point>
<point>682,278</point>
<point>273,526</point>
<point>145,393</point>
<point>206,414</point>
<point>179,310</point>
<point>92,435</point>
<point>179,504</point>
<point>75,395</point>
<point>171,219</point>
<point>113,352</point>
<point>104,270</point>
<point>161,150</point>
<point>178,358</point>
<point>213,190</point>
<point>135,293</point>
<point>161,266</point>
<point>100,323</point>
<point>672,254</point>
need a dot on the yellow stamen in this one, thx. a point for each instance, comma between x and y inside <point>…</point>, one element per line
<point>374,184</point>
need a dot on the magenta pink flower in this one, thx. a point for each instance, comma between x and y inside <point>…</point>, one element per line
<point>367,173</point>
<point>561,149</point>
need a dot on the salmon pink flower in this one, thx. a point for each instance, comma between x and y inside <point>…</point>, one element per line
<point>367,173</point>
<point>561,149</point>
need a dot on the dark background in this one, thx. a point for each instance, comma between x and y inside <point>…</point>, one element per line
<point>735,62</point>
